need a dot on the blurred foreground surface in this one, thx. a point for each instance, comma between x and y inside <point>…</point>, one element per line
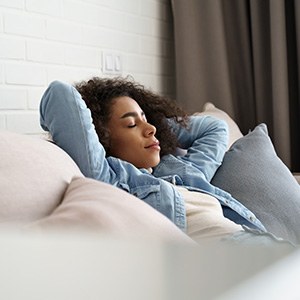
<point>77,266</point>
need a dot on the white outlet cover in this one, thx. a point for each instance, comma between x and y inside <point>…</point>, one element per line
<point>118,63</point>
<point>111,63</point>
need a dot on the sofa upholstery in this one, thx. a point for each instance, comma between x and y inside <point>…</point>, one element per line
<point>43,190</point>
<point>34,176</point>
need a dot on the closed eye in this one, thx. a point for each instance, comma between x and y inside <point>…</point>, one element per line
<point>131,126</point>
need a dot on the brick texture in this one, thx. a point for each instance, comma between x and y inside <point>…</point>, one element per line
<point>41,41</point>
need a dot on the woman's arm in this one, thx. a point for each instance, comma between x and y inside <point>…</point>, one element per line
<point>65,115</point>
<point>206,141</point>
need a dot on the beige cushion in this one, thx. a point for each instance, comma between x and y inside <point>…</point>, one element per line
<point>210,110</point>
<point>34,175</point>
<point>234,131</point>
<point>297,177</point>
<point>94,206</point>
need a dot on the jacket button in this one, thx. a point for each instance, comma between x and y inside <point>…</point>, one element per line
<point>252,218</point>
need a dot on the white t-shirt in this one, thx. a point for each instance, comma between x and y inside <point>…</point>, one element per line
<point>205,219</point>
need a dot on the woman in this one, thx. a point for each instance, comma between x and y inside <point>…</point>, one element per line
<point>120,133</point>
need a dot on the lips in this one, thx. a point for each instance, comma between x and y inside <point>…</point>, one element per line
<point>154,145</point>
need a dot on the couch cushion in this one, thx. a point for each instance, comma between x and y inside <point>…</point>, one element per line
<point>211,110</point>
<point>97,207</point>
<point>254,174</point>
<point>234,131</point>
<point>34,175</point>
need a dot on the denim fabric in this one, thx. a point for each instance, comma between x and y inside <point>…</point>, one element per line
<point>254,237</point>
<point>64,114</point>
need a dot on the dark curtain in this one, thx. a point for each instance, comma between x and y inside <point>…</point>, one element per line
<point>242,55</point>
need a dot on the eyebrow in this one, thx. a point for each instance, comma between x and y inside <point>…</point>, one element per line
<point>132,114</point>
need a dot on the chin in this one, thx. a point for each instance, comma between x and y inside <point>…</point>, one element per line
<point>155,163</point>
<point>146,165</point>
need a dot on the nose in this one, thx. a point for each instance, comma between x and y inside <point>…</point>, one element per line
<point>150,130</point>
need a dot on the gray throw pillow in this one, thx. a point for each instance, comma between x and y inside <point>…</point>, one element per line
<point>253,174</point>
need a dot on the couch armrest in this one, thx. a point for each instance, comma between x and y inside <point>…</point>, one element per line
<point>297,176</point>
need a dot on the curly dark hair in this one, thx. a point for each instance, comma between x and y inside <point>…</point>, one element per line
<point>98,94</point>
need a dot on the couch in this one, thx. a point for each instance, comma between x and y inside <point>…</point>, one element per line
<point>43,189</point>
<point>64,236</point>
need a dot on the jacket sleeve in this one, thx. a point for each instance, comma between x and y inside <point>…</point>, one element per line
<point>65,115</point>
<point>205,140</point>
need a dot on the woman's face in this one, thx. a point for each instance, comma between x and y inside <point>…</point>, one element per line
<point>132,138</point>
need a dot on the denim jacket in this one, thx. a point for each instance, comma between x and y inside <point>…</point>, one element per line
<point>65,115</point>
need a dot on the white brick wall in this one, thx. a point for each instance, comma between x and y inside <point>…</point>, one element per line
<point>45,40</point>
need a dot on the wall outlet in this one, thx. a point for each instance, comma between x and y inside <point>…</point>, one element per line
<point>112,63</point>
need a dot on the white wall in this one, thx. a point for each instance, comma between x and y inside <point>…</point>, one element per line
<point>44,40</point>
